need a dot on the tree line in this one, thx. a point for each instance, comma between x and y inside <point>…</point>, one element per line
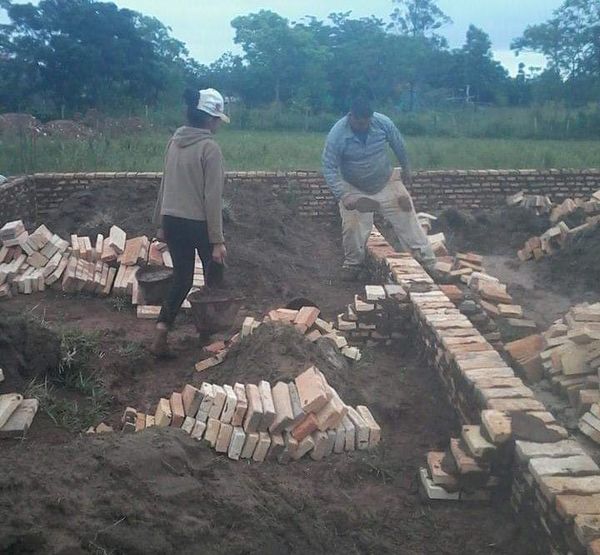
<point>63,56</point>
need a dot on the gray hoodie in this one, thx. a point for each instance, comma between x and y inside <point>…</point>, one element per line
<point>193,179</point>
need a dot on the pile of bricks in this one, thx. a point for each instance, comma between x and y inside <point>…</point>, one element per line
<point>498,304</point>
<point>306,320</point>
<point>568,355</point>
<point>556,488</point>
<point>259,422</point>
<point>570,206</point>
<point>555,485</point>
<point>16,415</point>
<point>540,204</point>
<point>374,317</point>
<point>489,304</point>
<point>459,266</point>
<point>559,236</point>
<point>465,471</point>
<point>30,263</point>
<point>436,240</point>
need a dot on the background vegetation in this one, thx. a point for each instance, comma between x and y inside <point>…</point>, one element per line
<point>460,107</point>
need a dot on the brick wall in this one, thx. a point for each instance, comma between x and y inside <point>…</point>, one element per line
<point>17,200</point>
<point>540,472</point>
<point>431,190</point>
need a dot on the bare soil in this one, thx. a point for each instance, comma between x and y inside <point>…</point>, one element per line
<point>159,491</point>
<point>546,288</point>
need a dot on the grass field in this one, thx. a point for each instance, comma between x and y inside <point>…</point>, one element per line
<point>269,150</point>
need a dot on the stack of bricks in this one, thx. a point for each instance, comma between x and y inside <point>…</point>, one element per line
<point>468,469</point>
<point>539,204</point>
<point>460,266</point>
<point>374,317</point>
<point>557,489</point>
<point>259,422</point>
<point>29,263</point>
<point>490,307</point>
<point>569,355</point>
<point>306,320</point>
<point>559,236</point>
<point>16,415</point>
<point>107,266</point>
<point>497,303</point>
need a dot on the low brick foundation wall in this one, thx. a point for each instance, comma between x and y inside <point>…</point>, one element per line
<point>17,200</point>
<point>554,484</point>
<point>36,195</point>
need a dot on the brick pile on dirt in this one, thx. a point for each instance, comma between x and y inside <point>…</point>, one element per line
<point>499,231</point>
<point>276,352</point>
<point>271,248</point>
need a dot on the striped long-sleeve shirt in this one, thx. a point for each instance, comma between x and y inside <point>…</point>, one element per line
<point>365,165</point>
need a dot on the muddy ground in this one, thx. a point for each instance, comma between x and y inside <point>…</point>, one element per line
<point>160,492</point>
<point>546,288</point>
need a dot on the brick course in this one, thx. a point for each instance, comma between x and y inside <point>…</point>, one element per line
<point>30,197</point>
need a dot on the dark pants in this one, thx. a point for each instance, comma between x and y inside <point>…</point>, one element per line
<point>184,238</point>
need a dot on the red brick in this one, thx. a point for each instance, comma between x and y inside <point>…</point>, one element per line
<point>306,317</point>
<point>177,410</point>
<point>305,428</point>
<point>312,390</point>
<point>191,400</point>
<point>215,348</point>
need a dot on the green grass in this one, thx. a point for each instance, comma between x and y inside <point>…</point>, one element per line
<point>76,397</point>
<point>279,150</point>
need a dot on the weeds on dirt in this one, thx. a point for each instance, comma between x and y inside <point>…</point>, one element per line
<point>120,304</point>
<point>133,351</point>
<point>71,414</point>
<point>76,377</point>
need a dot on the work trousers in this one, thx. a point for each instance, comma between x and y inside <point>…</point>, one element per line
<point>396,206</point>
<point>184,238</point>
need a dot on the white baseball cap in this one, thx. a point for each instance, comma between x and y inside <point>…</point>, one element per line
<point>211,101</point>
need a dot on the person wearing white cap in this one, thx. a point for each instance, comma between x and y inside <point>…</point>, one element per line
<point>190,202</point>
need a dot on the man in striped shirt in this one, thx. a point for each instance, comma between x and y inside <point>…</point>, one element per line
<point>358,171</point>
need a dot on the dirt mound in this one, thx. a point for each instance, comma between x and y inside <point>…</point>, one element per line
<point>27,350</point>
<point>129,205</point>
<point>147,493</point>
<point>16,124</point>
<point>278,352</point>
<point>68,129</point>
<point>492,232</point>
<point>114,127</point>
<point>271,248</point>
<point>577,265</point>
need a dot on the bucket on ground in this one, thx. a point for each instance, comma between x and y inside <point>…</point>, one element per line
<point>154,283</point>
<point>213,311</point>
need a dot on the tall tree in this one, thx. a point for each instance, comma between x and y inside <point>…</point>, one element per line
<point>476,73</point>
<point>418,18</point>
<point>570,39</point>
<point>283,55</point>
<point>80,53</point>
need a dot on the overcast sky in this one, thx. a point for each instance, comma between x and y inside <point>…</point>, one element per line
<point>205,26</point>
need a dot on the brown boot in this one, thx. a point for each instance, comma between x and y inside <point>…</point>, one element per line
<point>160,345</point>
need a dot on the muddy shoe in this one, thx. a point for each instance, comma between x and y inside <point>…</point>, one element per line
<point>350,274</point>
<point>366,204</point>
<point>160,345</point>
